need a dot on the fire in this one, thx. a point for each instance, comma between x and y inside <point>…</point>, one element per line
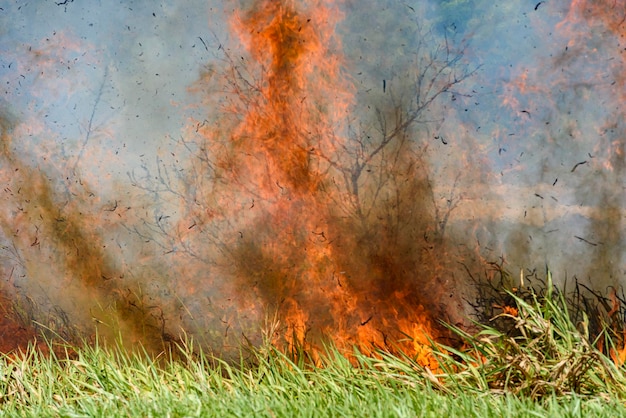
<point>298,212</point>
<point>308,192</point>
<point>281,128</point>
<point>295,201</point>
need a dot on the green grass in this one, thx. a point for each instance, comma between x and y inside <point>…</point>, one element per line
<point>104,382</point>
<point>543,365</point>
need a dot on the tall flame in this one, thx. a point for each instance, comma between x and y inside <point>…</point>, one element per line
<point>290,199</point>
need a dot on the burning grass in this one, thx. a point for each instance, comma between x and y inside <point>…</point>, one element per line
<point>537,351</point>
<point>305,194</point>
<point>530,359</point>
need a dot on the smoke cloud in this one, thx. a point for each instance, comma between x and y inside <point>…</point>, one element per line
<point>343,168</point>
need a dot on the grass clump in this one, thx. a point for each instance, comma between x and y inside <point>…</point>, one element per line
<point>536,351</point>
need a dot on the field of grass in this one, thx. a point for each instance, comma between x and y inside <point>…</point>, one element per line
<point>547,367</point>
<point>104,383</point>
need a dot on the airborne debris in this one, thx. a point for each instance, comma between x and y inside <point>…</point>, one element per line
<point>577,164</point>
<point>586,241</point>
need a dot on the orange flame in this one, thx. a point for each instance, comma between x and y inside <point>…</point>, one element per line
<point>292,48</point>
<point>297,247</point>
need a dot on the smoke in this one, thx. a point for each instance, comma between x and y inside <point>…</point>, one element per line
<point>61,269</point>
<point>291,178</point>
<point>568,161</point>
<point>347,181</point>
